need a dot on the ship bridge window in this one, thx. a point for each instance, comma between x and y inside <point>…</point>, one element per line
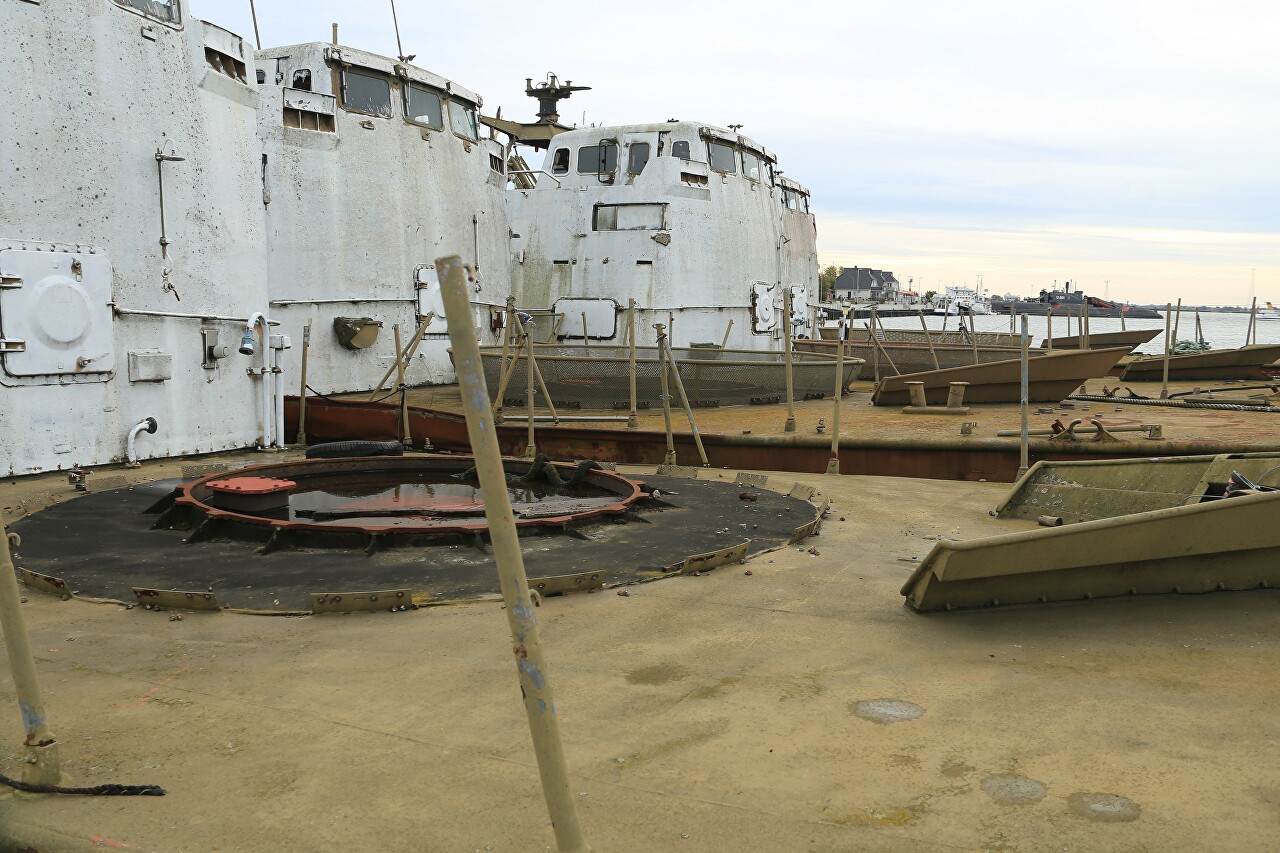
<point>790,199</point>
<point>366,93</point>
<point>637,157</point>
<point>722,158</point>
<point>680,148</point>
<point>423,106</point>
<point>597,159</point>
<point>462,118</point>
<point>560,162</point>
<point>751,166</point>
<point>629,217</point>
<point>165,10</point>
<point>302,79</point>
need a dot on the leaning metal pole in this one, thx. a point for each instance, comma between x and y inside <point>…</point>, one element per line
<point>535,681</point>
<point>40,765</point>
<point>531,449</point>
<point>790,425</point>
<point>684,399</point>
<point>1025,403</point>
<point>666,399</point>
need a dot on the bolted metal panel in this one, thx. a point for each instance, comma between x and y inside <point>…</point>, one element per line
<point>57,304</point>
<point>173,599</point>
<point>351,602</point>
<point>560,584</point>
<point>755,480</point>
<point>43,583</point>
<point>711,559</point>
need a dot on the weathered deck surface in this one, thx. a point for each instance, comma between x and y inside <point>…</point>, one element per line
<point>700,714</point>
<point>858,419</point>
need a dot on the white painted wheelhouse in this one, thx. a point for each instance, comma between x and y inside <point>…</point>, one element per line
<point>693,222</point>
<point>373,169</point>
<point>132,248</point>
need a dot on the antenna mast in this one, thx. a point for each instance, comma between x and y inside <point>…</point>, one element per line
<point>396,23</point>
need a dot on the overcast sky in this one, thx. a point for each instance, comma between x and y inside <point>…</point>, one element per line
<point>1130,142</point>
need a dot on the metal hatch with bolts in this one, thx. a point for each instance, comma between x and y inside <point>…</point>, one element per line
<point>55,314</point>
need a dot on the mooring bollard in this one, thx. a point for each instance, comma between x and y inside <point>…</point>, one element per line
<point>955,394</point>
<point>531,664</point>
<point>918,398</point>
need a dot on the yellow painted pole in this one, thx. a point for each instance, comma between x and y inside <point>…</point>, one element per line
<point>973,329</point>
<point>666,399</point>
<point>1252,335</point>
<point>531,664</point>
<point>790,425</point>
<point>633,421</point>
<point>542,386</point>
<point>403,356</point>
<point>1177,320</point>
<point>41,765</point>
<point>1024,395</point>
<point>406,437</point>
<point>586,338</point>
<point>1168,349</point>
<point>724,342</point>
<point>833,465</point>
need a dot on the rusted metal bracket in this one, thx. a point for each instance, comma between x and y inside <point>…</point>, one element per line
<point>352,602</point>
<point>560,584</point>
<point>173,599</point>
<point>754,480</point>
<point>711,559</point>
<point>43,583</point>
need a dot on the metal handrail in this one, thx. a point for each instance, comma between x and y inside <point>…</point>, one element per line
<point>534,172</point>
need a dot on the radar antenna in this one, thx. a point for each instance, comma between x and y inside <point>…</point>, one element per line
<point>549,94</point>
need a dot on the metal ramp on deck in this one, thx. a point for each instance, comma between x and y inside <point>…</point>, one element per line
<point>1131,527</point>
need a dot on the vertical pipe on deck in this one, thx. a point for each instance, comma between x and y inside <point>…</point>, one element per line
<point>790,425</point>
<point>531,447</point>
<point>1024,356</point>
<point>633,421</point>
<point>973,333</point>
<point>534,676</point>
<point>833,465</point>
<point>1251,336</point>
<point>302,392</point>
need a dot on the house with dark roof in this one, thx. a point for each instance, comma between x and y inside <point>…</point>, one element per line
<point>860,284</point>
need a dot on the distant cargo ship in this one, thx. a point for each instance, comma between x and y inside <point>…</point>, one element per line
<point>1068,302</point>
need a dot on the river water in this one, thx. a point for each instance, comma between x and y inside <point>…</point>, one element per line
<point>1223,331</point>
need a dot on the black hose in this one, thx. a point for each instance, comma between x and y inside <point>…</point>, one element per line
<point>95,791</point>
<point>348,449</point>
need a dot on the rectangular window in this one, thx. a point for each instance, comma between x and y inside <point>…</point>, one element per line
<point>637,157</point>
<point>722,158</point>
<point>680,148</point>
<point>629,217</point>
<point>789,199</point>
<point>597,159</point>
<point>366,93</point>
<point>423,106</point>
<point>560,162</point>
<point>165,10</point>
<point>462,118</point>
<point>751,166</point>
<point>495,163</point>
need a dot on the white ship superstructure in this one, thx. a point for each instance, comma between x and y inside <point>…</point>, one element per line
<point>373,168</point>
<point>959,299</point>
<point>691,221</point>
<point>132,246</point>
